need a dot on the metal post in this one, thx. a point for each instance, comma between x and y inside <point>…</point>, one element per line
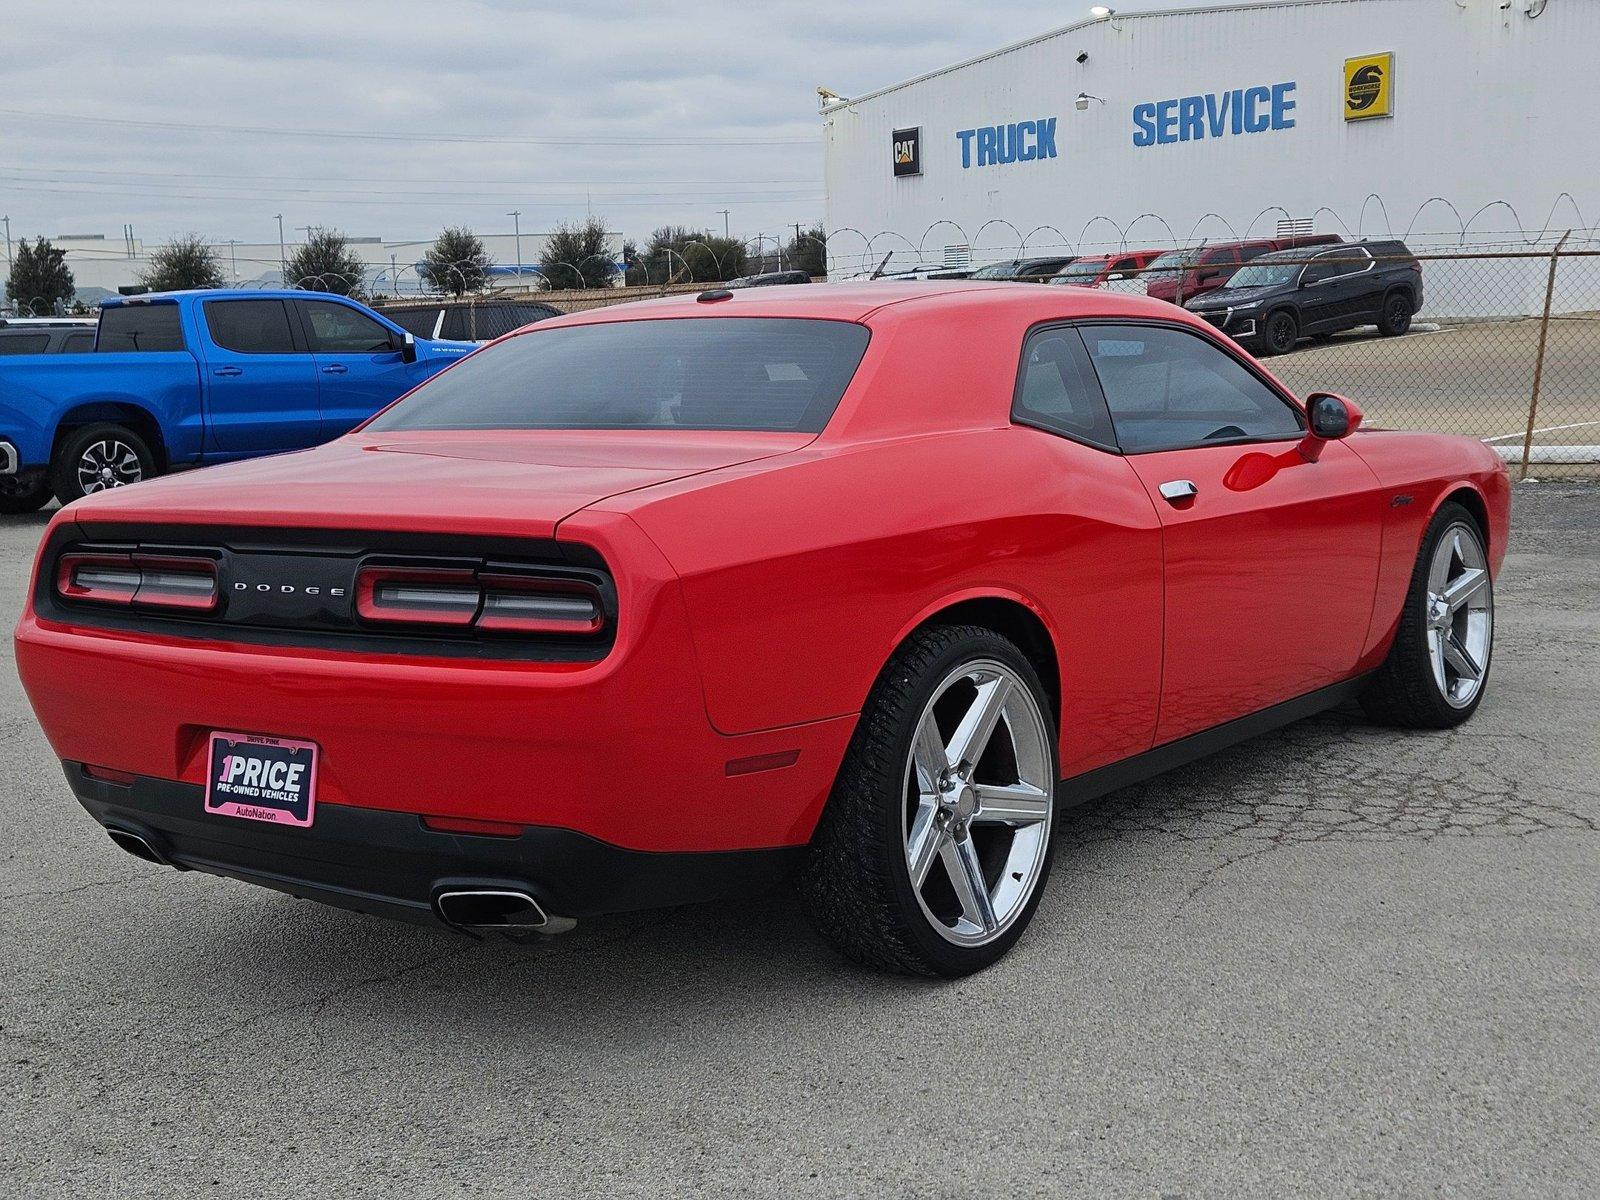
<point>1538,362</point>
<point>516,224</point>
<point>394,276</point>
<point>283,255</point>
<point>725,234</point>
<point>233,259</point>
<point>8,242</point>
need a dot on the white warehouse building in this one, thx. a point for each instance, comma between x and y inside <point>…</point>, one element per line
<point>1446,122</point>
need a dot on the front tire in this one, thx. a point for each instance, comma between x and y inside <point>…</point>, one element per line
<point>98,457</point>
<point>1279,333</point>
<point>1395,318</point>
<point>934,849</point>
<point>1437,669</point>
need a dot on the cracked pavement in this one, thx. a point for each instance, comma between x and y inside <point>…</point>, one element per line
<point>1334,961</point>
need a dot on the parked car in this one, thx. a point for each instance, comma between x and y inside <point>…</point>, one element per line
<point>466,320</point>
<point>769,279</point>
<point>1023,270</point>
<point>1273,301</point>
<point>46,335</point>
<point>188,378</point>
<point>1097,270</point>
<point>662,602</point>
<point>1178,276</point>
<point>924,272</point>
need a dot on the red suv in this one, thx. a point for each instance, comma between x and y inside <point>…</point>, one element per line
<point>1181,275</point>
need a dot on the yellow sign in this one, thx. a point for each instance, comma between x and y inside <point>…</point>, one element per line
<point>1369,87</point>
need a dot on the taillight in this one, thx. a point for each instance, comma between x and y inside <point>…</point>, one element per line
<point>493,601</point>
<point>154,580</point>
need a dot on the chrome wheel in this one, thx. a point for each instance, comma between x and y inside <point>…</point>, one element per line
<point>1460,615</point>
<point>979,798</point>
<point>108,463</point>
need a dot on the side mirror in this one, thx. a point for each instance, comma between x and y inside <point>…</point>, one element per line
<point>408,349</point>
<point>1328,418</point>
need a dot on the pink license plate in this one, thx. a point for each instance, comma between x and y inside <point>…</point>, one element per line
<point>262,778</point>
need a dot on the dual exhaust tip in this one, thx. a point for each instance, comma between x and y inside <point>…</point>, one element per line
<point>497,910</point>
<point>506,911</point>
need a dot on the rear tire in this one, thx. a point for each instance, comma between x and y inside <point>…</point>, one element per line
<point>1279,333</point>
<point>98,457</point>
<point>1438,667</point>
<point>24,496</point>
<point>949,779</point>
<point>1395,318</point>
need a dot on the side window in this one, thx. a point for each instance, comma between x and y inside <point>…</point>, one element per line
<point>250,326</point>
<point>143,328</point>
<point>24,343</point>
<point>1056,389</point>
<point>340,329</point>
<point>1322,269</point>
<point>78,343</point>
<point>1168,388</point>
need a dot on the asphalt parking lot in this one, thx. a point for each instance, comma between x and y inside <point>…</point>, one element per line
<point>1338,960</point>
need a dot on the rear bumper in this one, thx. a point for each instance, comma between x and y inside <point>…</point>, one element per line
<point>389,864</point>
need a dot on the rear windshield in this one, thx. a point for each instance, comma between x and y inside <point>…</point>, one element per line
<point>144,327</point>
<point>742,373</point>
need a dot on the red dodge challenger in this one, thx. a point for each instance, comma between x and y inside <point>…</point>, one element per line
<point>663,602</point>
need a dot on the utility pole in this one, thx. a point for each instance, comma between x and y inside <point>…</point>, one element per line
<point>516,224</point>
<point>8,242</point>
<point>394,276</point>
<point>233,259</point>
<point>283,255</point>
<point>725,234</point>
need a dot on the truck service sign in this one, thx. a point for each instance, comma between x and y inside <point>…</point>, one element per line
<point>1015,142</point>
<point>1214,115</point>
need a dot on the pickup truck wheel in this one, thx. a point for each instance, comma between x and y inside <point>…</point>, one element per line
<point>24,495</point>
<point>98,457</point>
<point>1396,316</point>
<point>1279,334</point>
<point>934,848</point>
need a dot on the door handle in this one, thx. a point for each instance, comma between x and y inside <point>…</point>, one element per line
<point>335,369</point>
<point>1176,491</point>
<point>228,371</point>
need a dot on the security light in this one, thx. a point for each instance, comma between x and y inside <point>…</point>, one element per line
<point>1083,99</point>
<point>1102,12</point>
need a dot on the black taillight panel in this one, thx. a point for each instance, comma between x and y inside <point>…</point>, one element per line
<point>383,592</point>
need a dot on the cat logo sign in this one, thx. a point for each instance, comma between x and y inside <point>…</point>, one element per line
<point>1369,87</point>
<point>908,151</point>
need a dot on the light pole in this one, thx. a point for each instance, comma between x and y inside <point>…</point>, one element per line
<point>8,242</point>
<point>233,259</point>
<point>516,224</point>
<point>283,255</point>
<point>725,234</point>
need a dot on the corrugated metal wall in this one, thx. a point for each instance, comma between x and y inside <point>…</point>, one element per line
<point>1490,105</point>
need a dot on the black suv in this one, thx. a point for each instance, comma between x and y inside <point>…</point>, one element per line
<point>1273,301</point>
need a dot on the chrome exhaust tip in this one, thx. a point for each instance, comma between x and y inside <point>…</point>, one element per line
<point>497,910</point>
<point>137,845</point>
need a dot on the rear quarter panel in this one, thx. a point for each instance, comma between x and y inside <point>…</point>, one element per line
<point>802,578</point>
<point>37,391</point>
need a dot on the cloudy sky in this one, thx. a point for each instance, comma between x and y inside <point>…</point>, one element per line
<point>395,118</point>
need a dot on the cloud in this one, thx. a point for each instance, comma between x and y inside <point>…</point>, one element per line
<point>738,79</point>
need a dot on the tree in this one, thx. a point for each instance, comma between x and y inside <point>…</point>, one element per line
<point>326,264</point>
<point>456,263</point>
<point>578,256</point>
<point>637,270</point>
<point>682,255</point>
<point>184,262</point>
<point>808,252</point>
<point>40,279</point>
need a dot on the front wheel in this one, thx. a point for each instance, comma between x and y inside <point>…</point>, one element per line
<point>98,457</point>
<point>934,849</point>
<point>1279,333</point>
<point>1395,318</point>
<point>1439,664</point>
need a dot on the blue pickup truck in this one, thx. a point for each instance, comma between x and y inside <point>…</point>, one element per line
<point>191,378</point>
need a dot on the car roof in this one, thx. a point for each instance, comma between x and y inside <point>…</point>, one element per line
<point>223,294</point>
<point>859,301</point>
